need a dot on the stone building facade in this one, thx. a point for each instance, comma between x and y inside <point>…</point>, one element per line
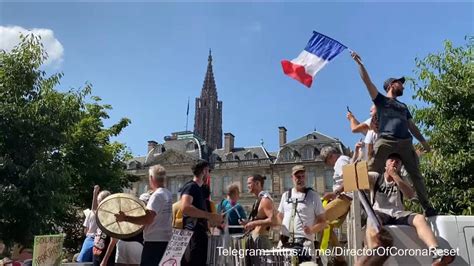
<point>230,163</point>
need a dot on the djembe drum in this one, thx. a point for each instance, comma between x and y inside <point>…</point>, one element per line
<point>110,206</point>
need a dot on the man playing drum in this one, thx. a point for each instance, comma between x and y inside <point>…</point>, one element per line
<point>157,220</point>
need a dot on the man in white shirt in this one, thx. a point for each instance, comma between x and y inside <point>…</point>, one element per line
<point>157,220</point>
<point>301,215</point>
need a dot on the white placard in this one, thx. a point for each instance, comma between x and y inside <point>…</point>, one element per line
<point>176,247</point>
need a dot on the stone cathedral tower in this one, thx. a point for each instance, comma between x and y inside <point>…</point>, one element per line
<point>208,114</point>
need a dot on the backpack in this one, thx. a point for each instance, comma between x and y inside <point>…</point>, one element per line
<point>306,190</point>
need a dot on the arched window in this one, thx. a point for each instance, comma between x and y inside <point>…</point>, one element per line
<point>286,155</point>
<point>248,155</point>
<point>237,158</point>
<point>307,153</point>
<point>190,146</point>
<point>255,156</point>
<point>132,165</point>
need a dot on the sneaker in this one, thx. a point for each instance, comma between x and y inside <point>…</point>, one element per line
<point>430,212</point>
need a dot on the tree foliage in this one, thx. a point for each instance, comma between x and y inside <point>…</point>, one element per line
<point>53,149</point>
<point>445,82</point>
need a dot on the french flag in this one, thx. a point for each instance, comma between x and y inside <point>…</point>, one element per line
<point>318,52</point>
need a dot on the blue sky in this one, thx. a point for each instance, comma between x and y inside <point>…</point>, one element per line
<point>146,59</point>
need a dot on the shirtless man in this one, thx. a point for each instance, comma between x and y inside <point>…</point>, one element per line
<point>260,218</point>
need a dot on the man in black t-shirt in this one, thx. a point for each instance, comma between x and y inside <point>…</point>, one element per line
<point>395,125</point>
<point>196,215</point>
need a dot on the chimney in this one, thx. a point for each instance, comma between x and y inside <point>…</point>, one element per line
<point>282,133</point>
<point>151,144</point>
<point>228,142</point>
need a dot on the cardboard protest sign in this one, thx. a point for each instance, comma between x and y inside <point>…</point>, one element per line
<point>47,250</point>
<point>355,176</point>
<point>176,247</point>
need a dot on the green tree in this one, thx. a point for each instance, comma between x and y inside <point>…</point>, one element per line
<point>53,149</point>
<point>445,83</point>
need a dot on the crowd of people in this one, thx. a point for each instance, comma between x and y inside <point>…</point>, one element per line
<point>301,217</point>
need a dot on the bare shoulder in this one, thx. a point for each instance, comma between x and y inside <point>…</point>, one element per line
<point>266,202</point>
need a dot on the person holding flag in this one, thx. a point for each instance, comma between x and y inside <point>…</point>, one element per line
<point>395,124</point>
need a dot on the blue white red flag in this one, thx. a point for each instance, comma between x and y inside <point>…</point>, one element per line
<point>317,53</point>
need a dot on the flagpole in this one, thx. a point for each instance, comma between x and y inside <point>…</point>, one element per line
<point>187,115</point>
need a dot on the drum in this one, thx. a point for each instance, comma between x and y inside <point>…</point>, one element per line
<point>110,206</point>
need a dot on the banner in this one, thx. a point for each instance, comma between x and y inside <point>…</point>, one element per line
<point>47,250</point>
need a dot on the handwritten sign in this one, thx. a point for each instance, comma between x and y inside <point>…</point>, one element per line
<point>176,247</point>
<point>47,250</point>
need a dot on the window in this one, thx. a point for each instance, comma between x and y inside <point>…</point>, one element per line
<point>255,156</point>
<point>237,158</point>
<point>287,183</point>
<point>310,178</point>
<point>311,136</point>
<point>248,156</point>
<point>286,155</point>
<point>244,188</point>
<point>226,181</point>
<point>229,157</point>
<point>268,184</point>
<point>173,185</point>
<point>190,146</point>
<point>132,165</point>
<point>143,187</point>
<point>307,153</point>
<point>328,179</point>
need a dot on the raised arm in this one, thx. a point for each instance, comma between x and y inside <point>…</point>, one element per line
<point>95,193</point>
<point>417,134</point>
<point>365,76</point>
<point>356,126</point>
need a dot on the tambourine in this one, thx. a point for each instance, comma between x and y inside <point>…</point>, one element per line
<point>110,206</point>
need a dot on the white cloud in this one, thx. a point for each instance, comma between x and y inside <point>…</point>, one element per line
<point>10,37</point>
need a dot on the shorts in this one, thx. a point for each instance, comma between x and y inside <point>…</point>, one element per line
<point>128,252</point>
<point>399,218</point>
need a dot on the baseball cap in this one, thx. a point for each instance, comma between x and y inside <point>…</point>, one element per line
<point>391,80</point>
<point>297,168</point>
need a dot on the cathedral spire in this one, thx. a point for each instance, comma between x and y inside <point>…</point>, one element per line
<point>208,114</point>
<point>209,86</point>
